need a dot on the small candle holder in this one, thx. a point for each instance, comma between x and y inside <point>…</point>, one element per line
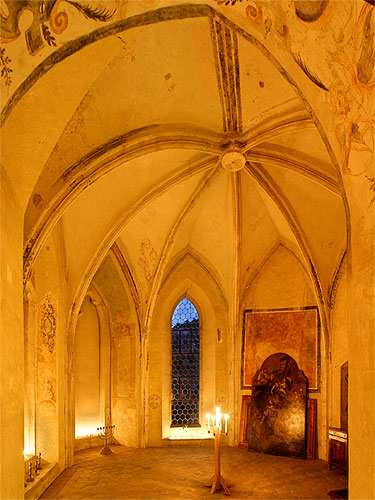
<point>216,482</point>
<point>105,433</point>
<point>36,473</point>
<point>39,462</point>
<point>29,477</point>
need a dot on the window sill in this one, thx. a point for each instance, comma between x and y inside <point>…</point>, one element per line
<point>187,433</point>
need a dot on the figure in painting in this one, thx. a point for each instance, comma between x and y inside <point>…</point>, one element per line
<point>278,408</point>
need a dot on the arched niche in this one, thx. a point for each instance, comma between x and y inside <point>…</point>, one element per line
<point>188,278</point>
<point>92,370</point>
<point>87,371</point>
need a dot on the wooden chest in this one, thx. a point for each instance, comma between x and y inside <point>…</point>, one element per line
<point>338,448</point>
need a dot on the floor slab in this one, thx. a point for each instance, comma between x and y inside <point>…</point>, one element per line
<point>180,472</point>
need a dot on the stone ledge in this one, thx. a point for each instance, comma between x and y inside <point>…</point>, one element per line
<point>46,476</point>
<point>187,442</point>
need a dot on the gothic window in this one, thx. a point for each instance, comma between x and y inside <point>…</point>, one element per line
<point>185,365</point>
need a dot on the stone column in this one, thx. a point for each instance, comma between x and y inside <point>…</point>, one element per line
<point>361,324</point>
<point>11,346</point>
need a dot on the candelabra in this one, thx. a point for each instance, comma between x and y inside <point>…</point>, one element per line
<point>36,473</point>
<point>216,482</point>
<point>106,433</point>
<point>33,465</point>
<point>39,462</point>
<point>29,477</point>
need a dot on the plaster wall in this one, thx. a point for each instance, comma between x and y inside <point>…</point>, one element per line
<point>11,345</point>
<point>88,414</point>
<point>339,348</point>
<point>283,283</point>
<point>125,385</point>
<point>50,348</point>
<point>120,346</point>
<point>30,360</point>
<point>361,314</point>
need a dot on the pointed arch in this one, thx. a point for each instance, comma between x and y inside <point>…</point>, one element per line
<point>185,365</point>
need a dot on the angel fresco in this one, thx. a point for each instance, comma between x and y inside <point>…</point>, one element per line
<point>335,53</point>
<point>351,98</point>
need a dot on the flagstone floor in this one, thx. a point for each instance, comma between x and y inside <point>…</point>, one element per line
<point>180,472</point>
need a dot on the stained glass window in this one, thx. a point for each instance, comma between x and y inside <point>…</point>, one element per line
<point>185,365</point>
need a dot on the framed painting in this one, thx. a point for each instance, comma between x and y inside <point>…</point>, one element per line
<point>295,331</point>
<point>277,419</point>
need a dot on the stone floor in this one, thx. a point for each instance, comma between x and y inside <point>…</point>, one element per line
<point>179,472</point>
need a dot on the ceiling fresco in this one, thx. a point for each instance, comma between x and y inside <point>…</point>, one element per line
<point>137,104</point>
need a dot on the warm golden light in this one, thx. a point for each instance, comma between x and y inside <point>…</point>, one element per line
<point>28,452</point>
<point>187,433</point>
<point>82,431</point>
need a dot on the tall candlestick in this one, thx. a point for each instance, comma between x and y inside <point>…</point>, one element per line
<point>216,482</point>
<point>208,421</point>
<point>217,416</point>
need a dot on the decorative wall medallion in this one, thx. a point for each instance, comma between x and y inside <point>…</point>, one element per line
<point>154,401</point>
<point>147,260</point>
<point>46,354</point>
<point>48,324</point>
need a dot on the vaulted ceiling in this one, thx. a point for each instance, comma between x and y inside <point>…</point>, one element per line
<point>142,158</point>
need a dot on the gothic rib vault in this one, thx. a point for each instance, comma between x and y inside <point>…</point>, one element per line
<point>126,130</point>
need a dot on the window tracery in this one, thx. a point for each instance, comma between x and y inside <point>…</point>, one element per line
<point>185,365</point>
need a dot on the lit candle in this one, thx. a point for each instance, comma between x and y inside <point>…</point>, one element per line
<point>213,421</point>
<point>220,420</point>
<point>208,421</point>
<point>217,416</point>
<point>226,423</point>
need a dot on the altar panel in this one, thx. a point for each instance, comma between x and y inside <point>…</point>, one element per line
<point>277,419</point>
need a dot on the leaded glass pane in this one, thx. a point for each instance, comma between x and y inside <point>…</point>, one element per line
<point>185,365</point>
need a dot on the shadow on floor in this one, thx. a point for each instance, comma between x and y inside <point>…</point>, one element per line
<point>180,472</point>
